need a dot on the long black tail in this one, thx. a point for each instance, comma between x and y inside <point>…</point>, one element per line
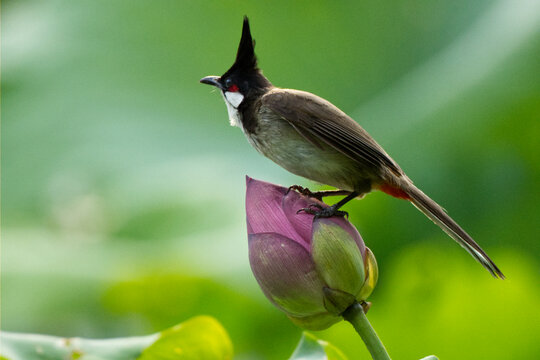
<point>437,214</point>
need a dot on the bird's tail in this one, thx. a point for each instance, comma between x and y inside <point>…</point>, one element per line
<point>437,214</point>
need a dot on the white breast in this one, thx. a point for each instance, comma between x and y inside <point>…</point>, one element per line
<point>234,98</point>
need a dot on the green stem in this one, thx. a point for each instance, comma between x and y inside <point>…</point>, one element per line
<point>357,317</point>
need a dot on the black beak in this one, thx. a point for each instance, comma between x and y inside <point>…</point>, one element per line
<point>212,80</point>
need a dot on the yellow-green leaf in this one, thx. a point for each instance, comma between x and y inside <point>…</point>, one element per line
<point>200,338</point>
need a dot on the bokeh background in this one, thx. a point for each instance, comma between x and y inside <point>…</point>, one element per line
<point>123,184</point>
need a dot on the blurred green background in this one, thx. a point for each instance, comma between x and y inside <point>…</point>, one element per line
<point>123,184</point>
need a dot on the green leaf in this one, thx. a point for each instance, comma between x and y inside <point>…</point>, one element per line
<point>201,338</point>
<point>430,357</point>
<point>311,348</point>
<point>32,346</point>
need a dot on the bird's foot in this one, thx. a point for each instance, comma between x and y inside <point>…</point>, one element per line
<point>306,192</point>
<point>323,212</point>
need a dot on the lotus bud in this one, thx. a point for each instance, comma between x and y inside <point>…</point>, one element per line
<point>311,268</point>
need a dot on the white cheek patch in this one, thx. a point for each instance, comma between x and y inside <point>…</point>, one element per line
<point>234,98</point>
<point>234,115</point>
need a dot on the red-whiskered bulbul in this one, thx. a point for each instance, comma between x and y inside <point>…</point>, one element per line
<point>312,138</point>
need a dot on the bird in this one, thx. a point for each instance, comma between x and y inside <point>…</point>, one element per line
<point>310,137</point>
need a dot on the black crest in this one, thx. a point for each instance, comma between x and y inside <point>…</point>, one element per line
<point>245,57</point>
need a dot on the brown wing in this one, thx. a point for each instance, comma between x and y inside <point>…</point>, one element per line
<point>318,120</point>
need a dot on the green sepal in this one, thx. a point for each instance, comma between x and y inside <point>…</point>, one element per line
<point>315,322</point>
<point>337,301</point>
<point>372,276</point>
<point>337,258</point>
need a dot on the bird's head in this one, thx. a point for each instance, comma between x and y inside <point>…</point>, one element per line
<point>244,81</point>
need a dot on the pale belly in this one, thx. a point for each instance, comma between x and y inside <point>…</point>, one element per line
<point>281,143</point>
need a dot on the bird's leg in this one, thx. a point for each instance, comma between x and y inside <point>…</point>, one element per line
<point>332,210</point>
<point>317,194</point>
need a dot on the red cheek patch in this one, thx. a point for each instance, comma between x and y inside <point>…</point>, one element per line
<point>233,88</point>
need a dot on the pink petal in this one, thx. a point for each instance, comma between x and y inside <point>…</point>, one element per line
<point>286,274</point>
<point>301,222</point>
<point>265,213</point>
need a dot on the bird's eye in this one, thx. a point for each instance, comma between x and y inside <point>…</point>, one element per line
<point>230,86</point>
